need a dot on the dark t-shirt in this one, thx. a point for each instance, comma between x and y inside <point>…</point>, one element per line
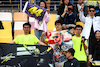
<point>95,50</point>
<point>69,19</point>
<point>72,63</point>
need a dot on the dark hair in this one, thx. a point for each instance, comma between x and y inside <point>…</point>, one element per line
<point>71,28</point>
<point>95,42</point>
<point>59,21</point>
<point>69,4</point>
<point>91,7</point>
<point>63,2</point>
<point>96,31</point>
<point>71,50</point>
<point>70,8</point>
<point>27,24</point>
<point>44,3</point>
<point>79,26</point>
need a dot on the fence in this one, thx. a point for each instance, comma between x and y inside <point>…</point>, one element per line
<point>17,5</point>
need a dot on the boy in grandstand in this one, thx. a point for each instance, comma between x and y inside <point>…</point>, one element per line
<point>80,46</point>
<point>71,62</point>
<point>27,38</point>
<point>60,46</point>
<point>58,25</point>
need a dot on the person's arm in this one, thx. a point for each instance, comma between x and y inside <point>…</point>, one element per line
<point>90,58</point>
<point>91,52</point>
<point>81,15</point>
<point>85,47</point>
<point>84,43</point>
<point>63,16</point>
<point>47,16</point>
<point>44,41</point>
<point>64,13</point>
<point>48,11</point>
<point>12,42</point>
<point>16,40</point>
<point>85,10</point>
<point>41,43</point>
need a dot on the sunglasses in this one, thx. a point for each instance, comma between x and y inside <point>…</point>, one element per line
<point>92,10</point>
<point>55,37</point>
<point>70,9</point>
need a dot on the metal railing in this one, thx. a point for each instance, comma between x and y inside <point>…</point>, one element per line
<point>12,5</point>
<point>17,5</point>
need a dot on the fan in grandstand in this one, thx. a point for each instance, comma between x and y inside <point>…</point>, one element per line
<point>92,24</point>
<point>94,53</point>
<point>27,38</point>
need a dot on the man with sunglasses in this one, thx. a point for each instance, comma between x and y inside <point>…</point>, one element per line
<point>92,24</point>
<point>68,17</point>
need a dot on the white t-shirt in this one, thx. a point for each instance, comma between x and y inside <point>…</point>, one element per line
<point>54,29</point>
<point>65,8</point>
<point>79,7</point>
<point>40,25</point>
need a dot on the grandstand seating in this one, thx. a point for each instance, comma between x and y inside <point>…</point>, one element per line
<point>5,36</point>
<point>80,23</point>
<point>20,16</point>
<point>19,20</point>
<point>18,28</point>
<point>7,25</point>
<point>51,23</point>
<point>6,16</point>
<point>6,33</point>
<point>31,21</point>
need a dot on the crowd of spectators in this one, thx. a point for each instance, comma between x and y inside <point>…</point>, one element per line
<point>67,16</point>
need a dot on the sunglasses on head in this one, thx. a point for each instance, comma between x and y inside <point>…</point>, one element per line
<point>91,10</point>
